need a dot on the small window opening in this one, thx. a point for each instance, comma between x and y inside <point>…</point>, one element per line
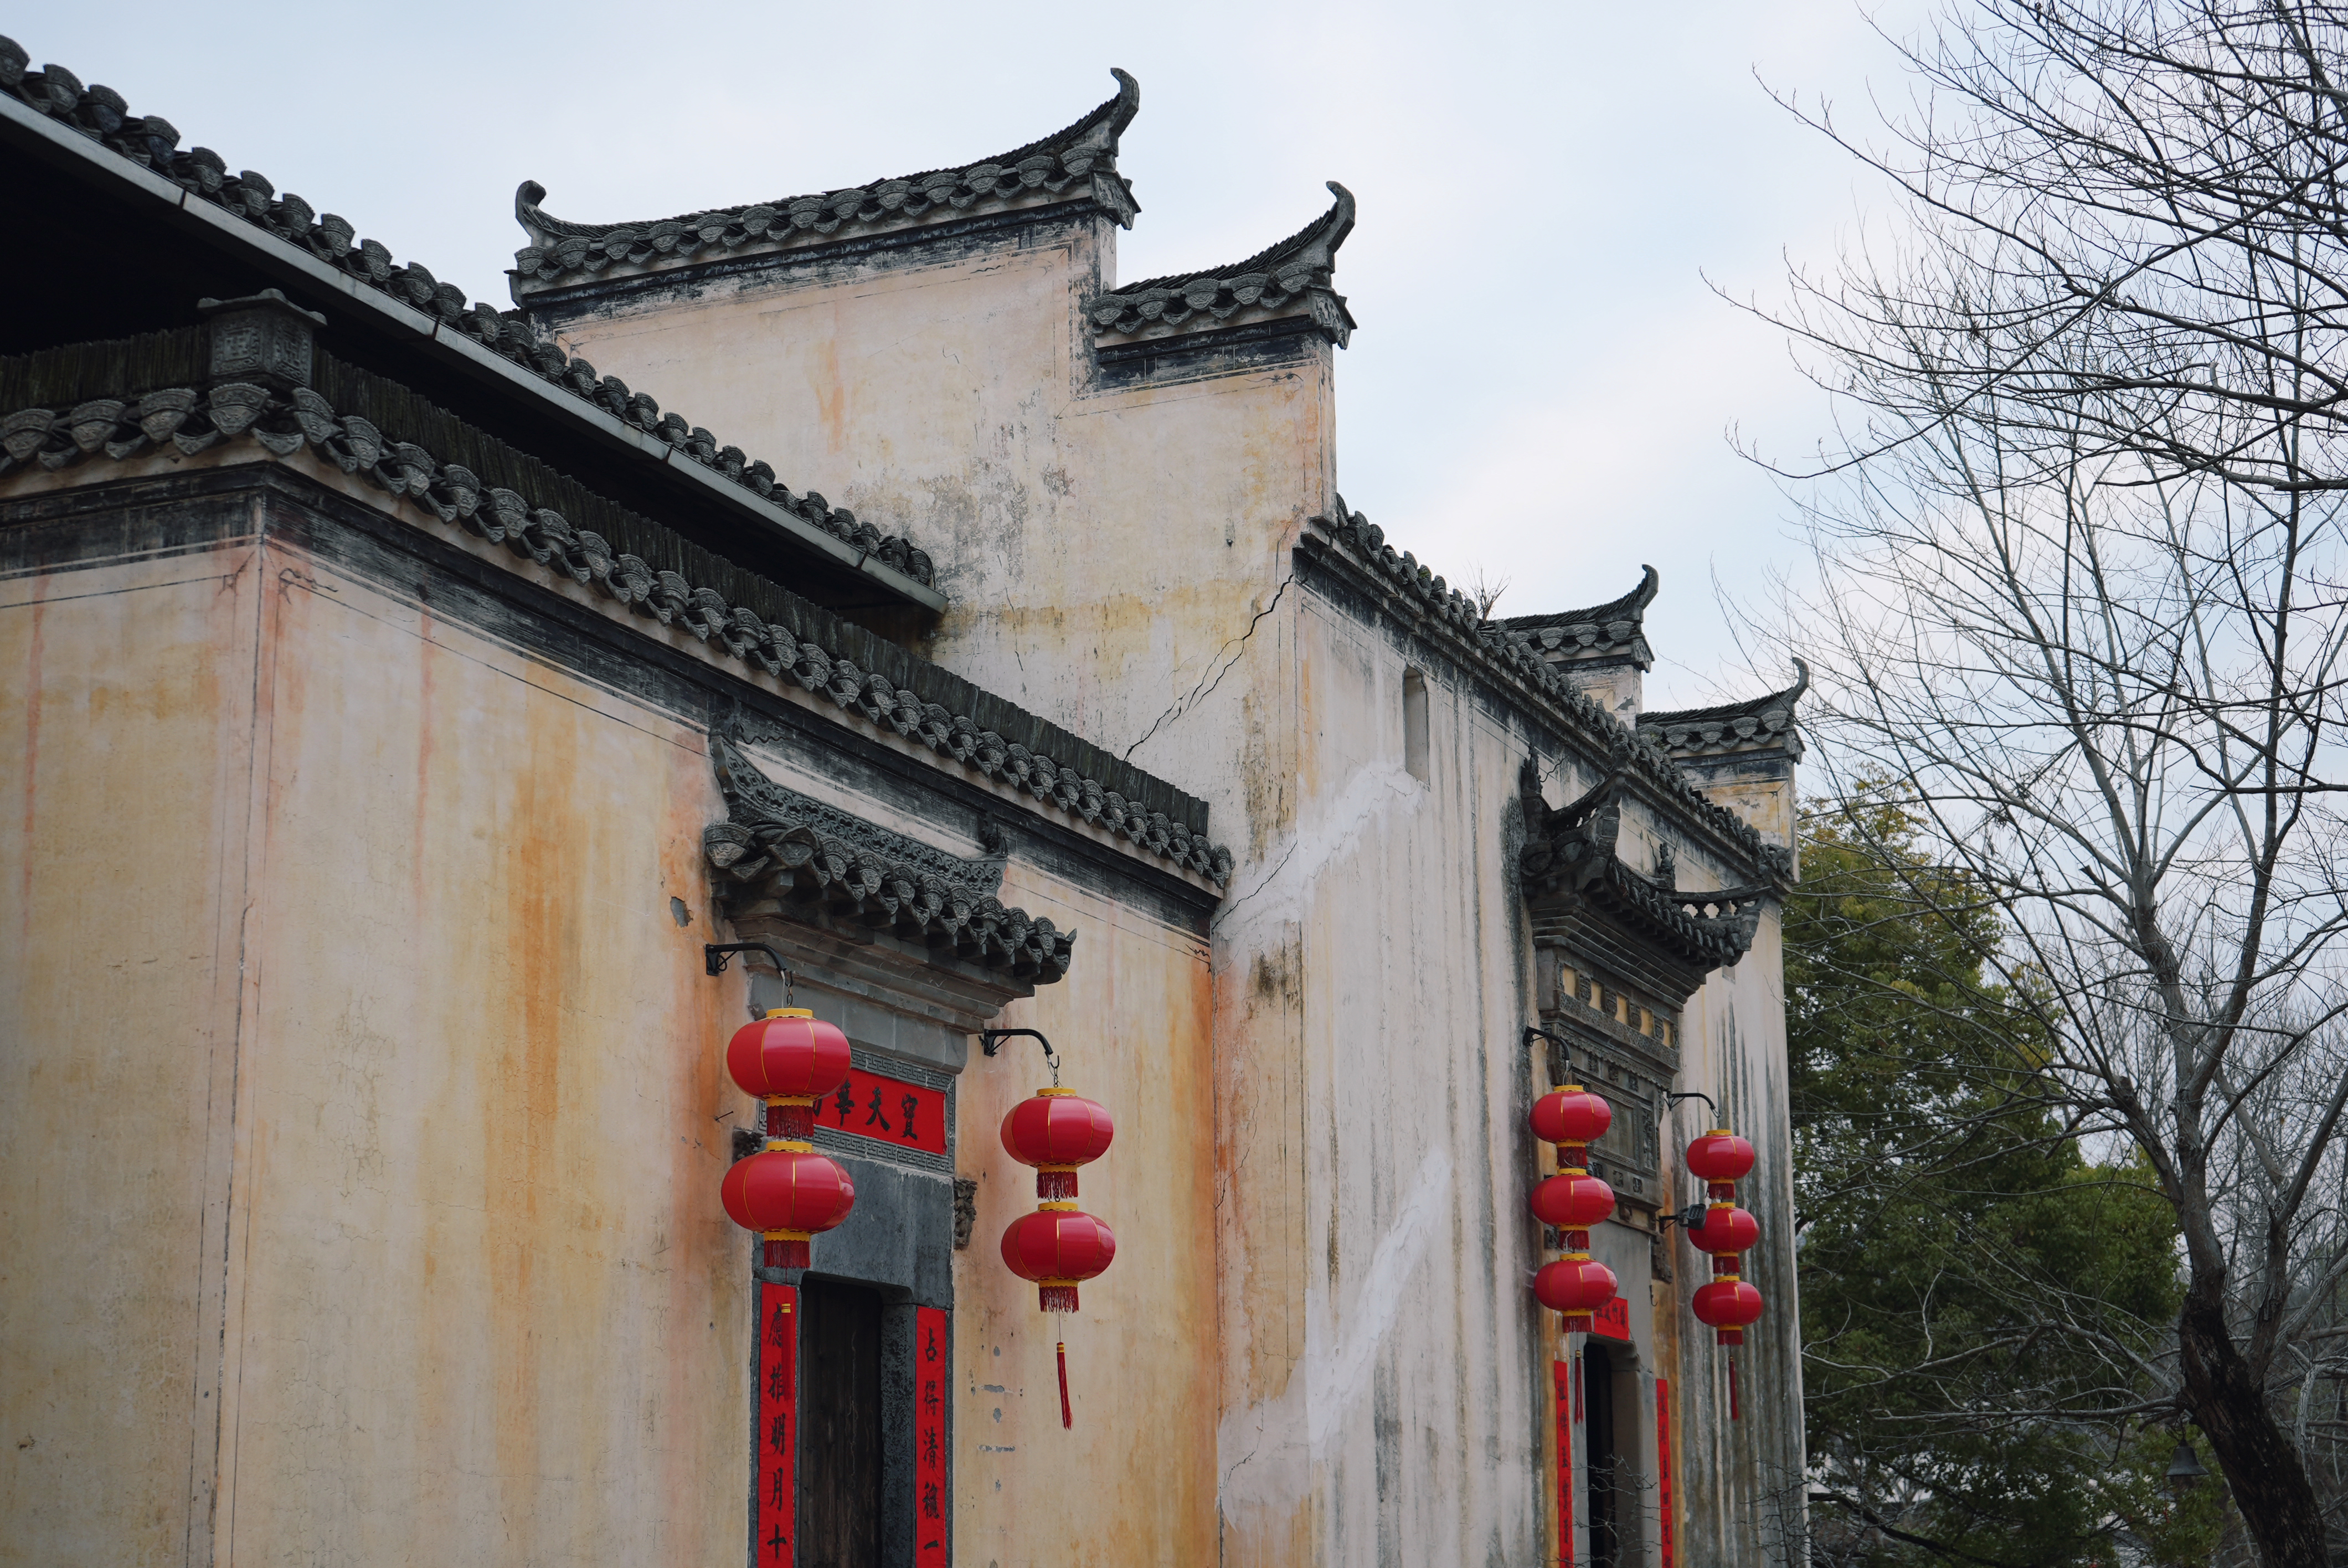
<point>1414,725</point>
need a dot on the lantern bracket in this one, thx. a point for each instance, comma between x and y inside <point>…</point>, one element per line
<point>1674,1099</point>
<point>1691,1216</point>
<point>990,1040</point>
<point>713,956</point>
<point>1562,1063</point>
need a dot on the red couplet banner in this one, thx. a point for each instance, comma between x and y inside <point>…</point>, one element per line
<point>776,1497</point>
<point>931,1523</point>
<point>1563,1374</point>
<point>1612,1319</point>
<point>1664,1468</point>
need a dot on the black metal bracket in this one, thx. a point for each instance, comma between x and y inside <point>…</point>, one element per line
<point>713,956</point>
<point>1669,1099</point>
<point>990,1040</point>
<point>1691,1216</point>
<point>1564,1063</point>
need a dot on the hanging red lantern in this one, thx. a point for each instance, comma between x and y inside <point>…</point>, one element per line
<point>1057,1129</point>
<point>1721,1159</point>
<point>1729,1303</point>
<point>790,1058</point>
<point>1576,1286</point>
<point>1572,1116</point>
<point>1572,1200</point>
<point>1729,1306</point>
<point>1726,1232</point>
<point>786,1192</point>
<point>1058,1246</point>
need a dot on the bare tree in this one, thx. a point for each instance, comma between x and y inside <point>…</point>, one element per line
<point>2081,606</point>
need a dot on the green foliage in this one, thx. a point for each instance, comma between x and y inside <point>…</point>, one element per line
<point>1978,1298</point>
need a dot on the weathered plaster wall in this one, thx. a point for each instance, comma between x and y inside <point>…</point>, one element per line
<point>1102,546</point>
<point>1120,557</point>
<point>1388,1344</point>
<point>1134,1481</point>
<point>465,1291</point>
<point>458,1292</point>
<point>484,1309</point>
<point>125,713</point>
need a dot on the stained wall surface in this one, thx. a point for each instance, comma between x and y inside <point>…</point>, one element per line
<point>390,1158</point>
<point>1120,550</point>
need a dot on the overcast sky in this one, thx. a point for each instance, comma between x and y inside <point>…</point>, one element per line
<point>1543,383</point>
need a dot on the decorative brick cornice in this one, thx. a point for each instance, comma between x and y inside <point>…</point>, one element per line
<point>785,637</point>
<point>1444,615</point>
<point>1762,724</point>
<point>1072,164</point>
<point>1295,279</point>
<point>152,142</point>
<point>1613,632</point>
<point>779,853</point>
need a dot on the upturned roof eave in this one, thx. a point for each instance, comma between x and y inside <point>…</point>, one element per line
<point>1084,151</point>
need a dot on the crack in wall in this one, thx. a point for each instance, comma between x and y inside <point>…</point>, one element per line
<point>1206,686</point>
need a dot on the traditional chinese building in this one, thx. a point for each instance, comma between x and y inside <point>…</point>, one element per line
<point>404,693</point>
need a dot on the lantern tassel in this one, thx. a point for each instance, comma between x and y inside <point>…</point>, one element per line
<point>1067,1416</point>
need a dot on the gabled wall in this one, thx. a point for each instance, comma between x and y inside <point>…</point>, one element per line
<point>1121,549</point>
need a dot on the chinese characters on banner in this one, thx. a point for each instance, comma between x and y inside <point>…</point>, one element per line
<point>1564,1379</point>
<point>887,1109</point>
<point>1612,1320</point>
<point>1663,1464</point>
<point>931,1521</point>
<point>774,1513</point>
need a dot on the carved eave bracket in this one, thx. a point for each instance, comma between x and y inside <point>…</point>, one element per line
<point>780,855</point>
<point>1585,897</point>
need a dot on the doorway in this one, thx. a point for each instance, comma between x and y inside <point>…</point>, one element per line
<point>839,1426</point>
<point>1602,1457</point>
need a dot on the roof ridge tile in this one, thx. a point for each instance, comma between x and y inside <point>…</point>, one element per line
<point>562,251</point>
<point>1302,267</point>
<point>191,420</point>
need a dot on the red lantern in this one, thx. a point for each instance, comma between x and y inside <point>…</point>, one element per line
<point>1720,1158</point>
<point>1057,1129</point>
<point>1577,1286</point>
<point>1573,1201</point>
<point>1571,1115</point>
<point>1730,1305</point>
<point>790,1058</point>
<point>1058,1246</point>
<point>787,1193</point>
<point>1726,1230</point>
